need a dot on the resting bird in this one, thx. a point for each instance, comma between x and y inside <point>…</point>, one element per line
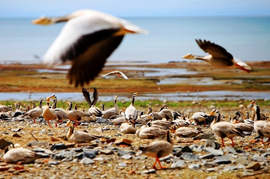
<point>22,155</point>
<point>87,40</point>
<point>218,56</point>
<point>78,136</point>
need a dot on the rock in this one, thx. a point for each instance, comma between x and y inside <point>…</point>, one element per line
<point>149,171</point>
<point>125,142</point>
<point>167,158</point>
<point>214,151</point>
<point>106,152</point>
<point>122,164</point>
<point>179,164</point>
<point>211,169</point>
<point>59,146</point>
<point>16,130</point>
<point>196,148</point>
<point>186,149</point>
<point>4,143</point>
<point>42,155</point>
<point>189,156</point>
<point>257,158</point>
<point>231,168</point>
<point>53,162</point>
<point>207,156</point>
<point>222,160</point>
<point>102,120</point>
<point>16,135</point>
<point>63,155</point>
<point>194,166</point>
<point>230,150</point>
<point>123,152</point>
<point>126,156</point>
<point>90,153</point>
<point>87,161</point>
<point>254,166</point>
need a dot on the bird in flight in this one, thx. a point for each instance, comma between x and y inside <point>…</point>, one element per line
<point>87,40</point>
<point>218,56</point>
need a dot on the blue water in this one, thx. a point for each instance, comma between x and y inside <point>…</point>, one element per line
<point>247,38</point>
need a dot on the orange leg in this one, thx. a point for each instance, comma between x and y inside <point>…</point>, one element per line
<point>49,124</point>
<point>222,142</point>
<point>34,120</point>
<point>232,142</point>
<point>55,123</point>
<point>161,167</point>
<point>154,165</point>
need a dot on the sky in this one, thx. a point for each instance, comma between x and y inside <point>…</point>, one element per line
<point>137,8</point>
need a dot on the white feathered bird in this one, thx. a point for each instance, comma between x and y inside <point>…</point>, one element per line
<point>87,40</point>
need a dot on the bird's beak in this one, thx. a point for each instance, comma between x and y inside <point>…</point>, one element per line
<point>188,56</point>
<point>43,21</point>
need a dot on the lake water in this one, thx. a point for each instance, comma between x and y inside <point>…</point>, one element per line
<point>247,38</point>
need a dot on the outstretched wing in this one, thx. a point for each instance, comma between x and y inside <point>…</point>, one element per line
<point>86,96</point>
<point>95,96</point>
<point>213,49</point>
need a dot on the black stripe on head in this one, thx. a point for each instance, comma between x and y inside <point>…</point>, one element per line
<point>89,54</point>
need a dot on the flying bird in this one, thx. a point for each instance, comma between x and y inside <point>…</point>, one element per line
<point>218,56</point>
<point>118,73</point>
<point>87,40</point>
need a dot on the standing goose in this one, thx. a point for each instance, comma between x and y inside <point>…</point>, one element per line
<point>60,113</point>
<point>112,112</point>
<point>36,112</point>
<point>225,129</point>
<point>262,128</point>
<point>131,112</point>
<point>75,115</point>
<point>48,113</point>
<point>93,110</point>
<point>87,40</point>
<point>218,56</point>
<point>158,149</point>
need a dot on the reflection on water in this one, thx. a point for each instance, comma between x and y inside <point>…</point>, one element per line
<point>181,96</point>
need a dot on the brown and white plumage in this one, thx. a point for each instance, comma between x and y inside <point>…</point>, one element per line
<point>187,132</point>
<point>203,118</point>
<point>225,129</point>
<point>78,136</point>
<point>4,108</point>
<point>49,114</point>
<point>158,149</point>
<point>112,112</point>
<point>218,56</point>
<point>127,128</point>
<point>22,155</point>
<point>131,113</point>
<point>151,132</point>
<point>75,115</point>
<point>36,112</point>
<point>93,110</point>
<point>87,40</point>
<point>261,127</point>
